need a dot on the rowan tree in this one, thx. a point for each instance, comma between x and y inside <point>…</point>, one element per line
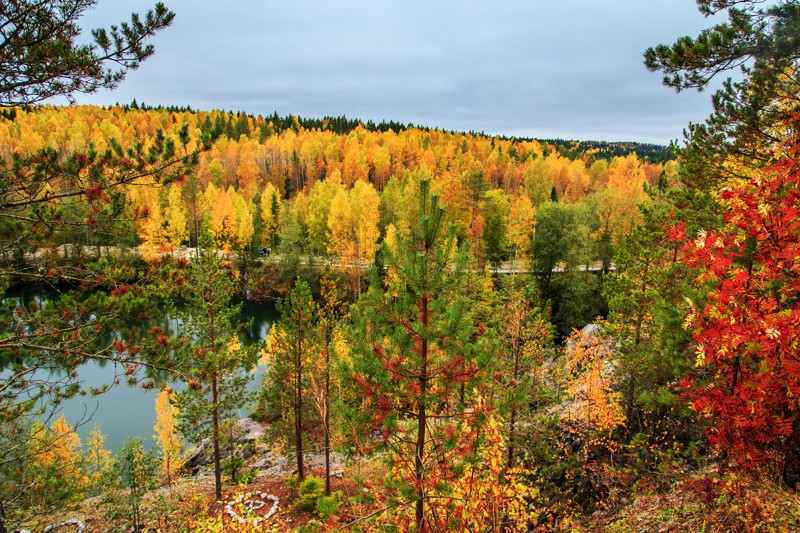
<point>746,334</point>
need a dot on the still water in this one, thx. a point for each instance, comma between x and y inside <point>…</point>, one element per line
<point>124,411</point>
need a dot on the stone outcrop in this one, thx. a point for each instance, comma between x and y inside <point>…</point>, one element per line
<point>250,431</point>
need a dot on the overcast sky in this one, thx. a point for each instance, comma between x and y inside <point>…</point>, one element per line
<point>540,68</point>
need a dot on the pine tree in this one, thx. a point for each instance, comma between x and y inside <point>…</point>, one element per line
<point>413,346</point>
<point>209,351</point>
<point>136,472</point>
<point>759,39</point>
<point>292,341</point>
<point>42,58</point>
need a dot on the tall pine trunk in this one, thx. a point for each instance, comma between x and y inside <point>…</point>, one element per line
<point>419,466</point>
<point>215,439</point>
<point>327,421</point>
<point>298,410</point>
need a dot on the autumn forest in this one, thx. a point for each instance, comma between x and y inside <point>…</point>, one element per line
<point>471,332</point>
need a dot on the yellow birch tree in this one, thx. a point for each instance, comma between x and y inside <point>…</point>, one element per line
<point>166,435</point>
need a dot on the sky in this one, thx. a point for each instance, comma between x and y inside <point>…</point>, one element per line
<point>569,69</point>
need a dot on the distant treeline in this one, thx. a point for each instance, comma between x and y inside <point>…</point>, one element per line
<point>236,124</point>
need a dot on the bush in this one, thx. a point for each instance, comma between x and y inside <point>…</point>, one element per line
<point>232,466</point>
<point>328,506</point>
<point>309,491</point>
<point>247,477</point>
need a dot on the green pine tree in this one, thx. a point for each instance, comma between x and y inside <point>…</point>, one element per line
<point>292,342</point>
<point>210,353</point>
<point>414,343</point>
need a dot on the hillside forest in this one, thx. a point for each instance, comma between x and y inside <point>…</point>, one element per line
<point>473,332</point>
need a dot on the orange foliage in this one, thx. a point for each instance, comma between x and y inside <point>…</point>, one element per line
<point>594,410</point>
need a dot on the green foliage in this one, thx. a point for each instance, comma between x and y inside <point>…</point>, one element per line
<point>328,506</point>
<point>308,492</point>
<point>562,252</point>
<point>524,341</point>
<point>414,343</point>
<point>247,477</point>
<point>210,354</point>
<point>43,347</point>
<point>759,39</point>
<point>293,243</point>
<point>495,208</point>
<point>309,496</point>
<point>134,473</point>
<point>231,466</point>
<point>291,344</point>
<point>42,58</point>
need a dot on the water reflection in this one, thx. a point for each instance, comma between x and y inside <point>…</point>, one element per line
<point>123,411</point>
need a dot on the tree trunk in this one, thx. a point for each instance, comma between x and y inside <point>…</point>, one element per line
<point>215,439</point>
<point>419,465</point>
<point>327,423</point>
<point>3,528</point>
<point>511,423</point>
<point>298,411</point>
<point>513,416</point>
<point>637,340</point>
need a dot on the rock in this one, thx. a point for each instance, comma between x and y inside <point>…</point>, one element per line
<point>197,458</point>
<point>77,524</point>
<point>201,455</point>
<point>252,431</point>
<point>589,330</point>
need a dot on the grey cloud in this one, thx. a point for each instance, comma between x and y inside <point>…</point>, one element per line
<point>518,67</point>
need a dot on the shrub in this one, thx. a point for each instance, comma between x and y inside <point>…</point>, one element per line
<point>309,491</point>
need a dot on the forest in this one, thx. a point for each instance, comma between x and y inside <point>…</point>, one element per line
<point>472,333</point>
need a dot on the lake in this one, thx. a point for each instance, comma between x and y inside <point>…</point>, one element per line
<point>124,411</point>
